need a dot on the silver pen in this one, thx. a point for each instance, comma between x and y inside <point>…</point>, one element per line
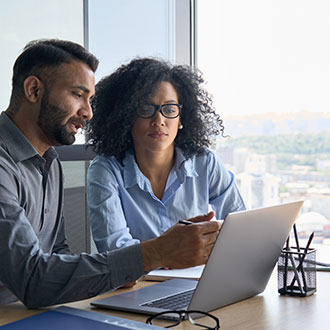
<point>185,222</point>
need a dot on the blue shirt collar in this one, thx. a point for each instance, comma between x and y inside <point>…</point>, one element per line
<point>131,172</point>
<point>183,167</point>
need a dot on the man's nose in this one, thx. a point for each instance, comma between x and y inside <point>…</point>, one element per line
<point>86,111</point>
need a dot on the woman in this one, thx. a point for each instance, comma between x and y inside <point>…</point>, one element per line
<point>152,125</point>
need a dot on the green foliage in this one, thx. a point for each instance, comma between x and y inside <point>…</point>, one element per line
<point>301,144</point>
<point>297,149</point>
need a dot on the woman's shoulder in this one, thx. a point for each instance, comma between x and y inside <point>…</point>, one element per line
<point>202,161</point>
<point>103,160</point>
<point>105,163</point>
<point>112,163</point>
<point>207,155</point>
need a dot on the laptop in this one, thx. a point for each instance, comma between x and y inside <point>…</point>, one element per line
<point>239,267</point>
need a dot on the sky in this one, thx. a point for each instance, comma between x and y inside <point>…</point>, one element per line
<point>265,56</point>
<point>257,56</point>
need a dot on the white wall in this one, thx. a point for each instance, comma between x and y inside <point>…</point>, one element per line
<point>24,20</point>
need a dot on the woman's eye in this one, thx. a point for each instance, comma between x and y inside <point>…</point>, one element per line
<point>169,109</point>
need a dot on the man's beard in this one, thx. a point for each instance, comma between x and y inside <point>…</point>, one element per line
<point>50,121</point>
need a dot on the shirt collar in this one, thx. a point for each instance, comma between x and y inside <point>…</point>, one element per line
<point>131,172</point>
<point>183,167</point>
<point>18,145</point>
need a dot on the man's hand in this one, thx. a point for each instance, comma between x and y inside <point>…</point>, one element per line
<point>182,246</point>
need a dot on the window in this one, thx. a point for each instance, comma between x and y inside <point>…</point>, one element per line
<point>20,23</point>
<point>115,31</point>
<point>267,63</point>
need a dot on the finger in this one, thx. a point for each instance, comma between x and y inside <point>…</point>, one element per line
<point>207,252</point>
<point>209,227</point>
<point>202,218</point>
<point>211,238</point>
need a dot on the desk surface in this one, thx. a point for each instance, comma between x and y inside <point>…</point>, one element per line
<point>268,311</point>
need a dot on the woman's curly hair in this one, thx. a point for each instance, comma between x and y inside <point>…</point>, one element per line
<point>118,95</point>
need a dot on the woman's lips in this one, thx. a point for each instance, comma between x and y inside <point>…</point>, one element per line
<point>157,135</point>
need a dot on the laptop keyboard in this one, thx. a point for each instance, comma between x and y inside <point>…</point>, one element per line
<point>175,302</point>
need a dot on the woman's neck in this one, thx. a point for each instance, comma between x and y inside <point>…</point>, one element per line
<point>156,167</point>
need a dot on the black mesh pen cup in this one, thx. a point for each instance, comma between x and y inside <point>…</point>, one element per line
<point>297,272</point>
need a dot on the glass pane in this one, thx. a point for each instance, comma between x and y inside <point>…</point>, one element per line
<point>121,30</point>
<point>267,64</point>
<point>23,21</point>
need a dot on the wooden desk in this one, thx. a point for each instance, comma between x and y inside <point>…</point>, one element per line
<point>267,311</point>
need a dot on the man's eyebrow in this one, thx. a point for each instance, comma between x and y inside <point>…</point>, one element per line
<point>83,88</point>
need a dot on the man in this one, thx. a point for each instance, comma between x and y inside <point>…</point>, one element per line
<point>53,84</point>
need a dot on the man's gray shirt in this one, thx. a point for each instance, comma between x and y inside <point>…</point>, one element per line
<point>35,262</point>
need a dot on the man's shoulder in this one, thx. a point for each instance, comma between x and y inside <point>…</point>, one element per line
<point>5,153</point>
<point>8,165</point>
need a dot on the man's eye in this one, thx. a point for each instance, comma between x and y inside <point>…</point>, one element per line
<point>77,94</point>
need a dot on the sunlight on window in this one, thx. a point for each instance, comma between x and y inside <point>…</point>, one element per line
<point>267,63</point>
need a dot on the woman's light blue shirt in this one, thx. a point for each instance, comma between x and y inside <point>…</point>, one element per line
<point>123,209</point>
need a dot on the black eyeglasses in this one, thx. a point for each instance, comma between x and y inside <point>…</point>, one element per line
<point>209,321</point>
<point>168,110</point>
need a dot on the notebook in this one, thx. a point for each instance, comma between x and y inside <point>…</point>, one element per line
<point>68,318</point>
<point>193,273</point>
<point>239,266</point>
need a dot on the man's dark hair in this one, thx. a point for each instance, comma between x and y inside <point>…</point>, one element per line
<point>118,95</point>
<point>40,57</point>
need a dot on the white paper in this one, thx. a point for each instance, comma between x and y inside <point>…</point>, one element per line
<point>165,274</point>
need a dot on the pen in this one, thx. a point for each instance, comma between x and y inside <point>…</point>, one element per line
<point>296,276</point>
<point>287,248</point>
<point>296,237</point>
<point>300,258</point>
<point>306,249</point>
<point>303,257</point>
<point>185,222</point>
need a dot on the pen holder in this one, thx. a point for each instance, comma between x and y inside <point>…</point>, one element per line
<point>297,272</point>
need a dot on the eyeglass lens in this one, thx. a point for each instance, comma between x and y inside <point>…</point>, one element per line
<point>167,110</point>
<point>171,319</point>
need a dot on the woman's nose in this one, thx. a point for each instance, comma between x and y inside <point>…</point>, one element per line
<point>158,119</point>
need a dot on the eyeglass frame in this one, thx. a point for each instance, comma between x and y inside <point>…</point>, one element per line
<point>182,316</point>
<point>160,108</point>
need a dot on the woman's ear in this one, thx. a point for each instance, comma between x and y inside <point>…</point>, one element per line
<point>32,89</point>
